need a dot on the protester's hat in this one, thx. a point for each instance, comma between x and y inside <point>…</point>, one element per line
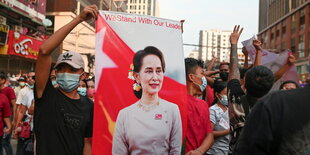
<point>71,58</point>
<point>22,78</point>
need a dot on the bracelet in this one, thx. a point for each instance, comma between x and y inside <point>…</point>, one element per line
<point>199,151</point>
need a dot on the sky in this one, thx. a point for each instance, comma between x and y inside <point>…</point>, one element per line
<point>211,14</point>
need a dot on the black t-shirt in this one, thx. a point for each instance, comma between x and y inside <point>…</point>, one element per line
<point>279,124</point>
<point>61,123</point>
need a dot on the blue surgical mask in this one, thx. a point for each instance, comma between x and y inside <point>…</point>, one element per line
<point>203,86</point>
<point>22,84</point>
<point>30,86</point>
<point>224,100</point>
<point>82,91</point>
<point>54,83</point>
<point>68,81</point>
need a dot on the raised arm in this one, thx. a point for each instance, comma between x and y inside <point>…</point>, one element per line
<point>208,75</point>
<point>290,61</point>
<point>257,44</point>
<point>233,66</point>
<point>211,64</point>
<point>44,58</point>
<point>246,58</point>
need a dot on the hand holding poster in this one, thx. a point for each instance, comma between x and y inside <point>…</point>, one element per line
<point>266,55</point>
<point>144,111</point>
<point>273,61</point>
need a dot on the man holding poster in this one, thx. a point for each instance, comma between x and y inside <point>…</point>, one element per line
<point>151,120</point>
<point>63,118</point>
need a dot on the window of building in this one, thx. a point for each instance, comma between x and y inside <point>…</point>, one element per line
<point>149,9</point>
<point>277,33</point>
<point>301,47</point>
<point>293,23</point>
<point>278,48</point>
<point>301,69</point>
<point>283,45</point>
<point>294,4</point>
<point>283,29</point>
<point>302,19</point>
<point>293,45</point>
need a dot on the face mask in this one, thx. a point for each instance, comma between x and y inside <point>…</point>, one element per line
<point>203,85</point>
<point>68,81</point>
<point>91,92</point>
<point>54,83</point>
<point>22,84</point>
<point>224,100</point>
<point>30,86</point>
<point>224,76</point>
<point>82,91</point>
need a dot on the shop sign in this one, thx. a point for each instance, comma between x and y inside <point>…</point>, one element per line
<point>4,30</point>
<point>23,45</point>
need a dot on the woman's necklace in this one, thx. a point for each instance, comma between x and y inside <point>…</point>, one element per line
<point>147,107</point>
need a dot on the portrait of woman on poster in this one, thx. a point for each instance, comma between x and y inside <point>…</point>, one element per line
<point>151,125</point>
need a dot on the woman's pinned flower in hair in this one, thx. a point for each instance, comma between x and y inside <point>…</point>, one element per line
<point>130,73</point>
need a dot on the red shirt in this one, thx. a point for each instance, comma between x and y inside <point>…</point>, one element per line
<point>5,110</point>
<point>9,93</point>
<point>198,122</point>
<point>209,96</point>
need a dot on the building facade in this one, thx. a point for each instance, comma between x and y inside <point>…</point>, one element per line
<point>21,33</point>
<point>143,7</point>
<point>214,42</point>
<point>284,24</point>
<point>194,54</point>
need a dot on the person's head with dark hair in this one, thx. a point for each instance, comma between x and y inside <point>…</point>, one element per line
<point>53,78</point>
<point>2,79</point>
<point>224,71</point>
<point>220,92</point>
<point>224,67</point>
<point>148,70</point>
<point>258,81</point>
<point>288,85</point>
<point>90,86</point>
<point>30,79</point>
<point>22,81</point>
<point>195,80</point>
<point>82,88</point>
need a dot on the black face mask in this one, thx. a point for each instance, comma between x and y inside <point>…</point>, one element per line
<point>224,76</point>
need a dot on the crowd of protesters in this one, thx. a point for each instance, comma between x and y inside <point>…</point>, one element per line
<point>230,110</point>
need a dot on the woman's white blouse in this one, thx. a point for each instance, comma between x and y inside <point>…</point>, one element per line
<point>156,132</point>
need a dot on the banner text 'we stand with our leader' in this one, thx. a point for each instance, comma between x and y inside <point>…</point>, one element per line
<point>143,20</point>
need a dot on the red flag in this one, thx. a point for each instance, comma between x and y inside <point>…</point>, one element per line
<point>114,90</point>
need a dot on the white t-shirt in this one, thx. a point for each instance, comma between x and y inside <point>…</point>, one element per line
<point>16,90</point>
<point>26,97</point>
<point>24,91</point>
